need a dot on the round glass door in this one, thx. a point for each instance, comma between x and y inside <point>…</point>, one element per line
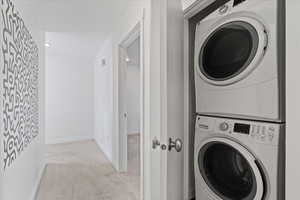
<point>227,172</point>
<point>228,50</point>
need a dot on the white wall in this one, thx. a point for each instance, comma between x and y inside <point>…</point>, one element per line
<point>69,97</point>
<point>107,134</point>
<point>103,75</point>
<point>293,99</point>
<point>20,181</point>
<point>133,88</point>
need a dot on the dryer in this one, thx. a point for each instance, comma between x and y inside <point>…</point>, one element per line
<point>238,159</point>
<point>239,61</point>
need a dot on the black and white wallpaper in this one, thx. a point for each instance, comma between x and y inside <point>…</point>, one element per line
<point>19,79</point>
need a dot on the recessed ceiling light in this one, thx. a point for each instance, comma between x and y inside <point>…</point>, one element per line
<point>127,59</point>
<point>47,45</point>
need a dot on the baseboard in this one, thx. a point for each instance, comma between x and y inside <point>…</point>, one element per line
<point>37,185</point>
<point>108,157</point>
<point>60,140</point>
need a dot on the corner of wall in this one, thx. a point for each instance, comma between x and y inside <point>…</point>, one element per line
<point>38,182</point>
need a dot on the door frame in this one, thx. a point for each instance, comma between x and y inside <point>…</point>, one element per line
<point>136,32</point>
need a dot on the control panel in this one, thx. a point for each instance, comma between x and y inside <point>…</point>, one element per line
<point>258,131</point>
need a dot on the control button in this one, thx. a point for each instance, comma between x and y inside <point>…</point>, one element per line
<point>271,128</point>
<point>253,128</point>
<point>271,136</point>
<point>224,126</point>
<point>263,133</point>
<point>264,130</point>
<point>263,136</point>
<point>258,129</point>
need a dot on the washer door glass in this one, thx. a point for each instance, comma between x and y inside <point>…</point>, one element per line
<point>228,50</point>
<point>227,172</point>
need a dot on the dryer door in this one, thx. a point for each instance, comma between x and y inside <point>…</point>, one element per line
<point>229,171</point>
<point>231,50</point>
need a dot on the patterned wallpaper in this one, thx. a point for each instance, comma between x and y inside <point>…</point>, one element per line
<point>19,84</point>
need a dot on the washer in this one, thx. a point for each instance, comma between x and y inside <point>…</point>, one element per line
<point>239,68</point>
<point>239,160</point>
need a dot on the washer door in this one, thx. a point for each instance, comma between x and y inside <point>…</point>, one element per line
<point>231,50</point>
<point>230,171</point>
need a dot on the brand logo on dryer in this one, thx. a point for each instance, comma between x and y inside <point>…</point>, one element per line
<point>203,126</point>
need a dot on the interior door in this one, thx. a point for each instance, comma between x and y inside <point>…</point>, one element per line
<point>167,100</point>
<point>174,73</point>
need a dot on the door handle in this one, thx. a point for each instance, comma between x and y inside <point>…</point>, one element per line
<point>177,144</point>
<point>156,143</point>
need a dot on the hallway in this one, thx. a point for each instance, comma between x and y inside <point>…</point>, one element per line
<point>79,170</point>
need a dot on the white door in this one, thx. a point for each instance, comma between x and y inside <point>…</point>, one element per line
<point>166,99</point>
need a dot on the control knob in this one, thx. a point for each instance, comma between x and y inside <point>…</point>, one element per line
<point>224,126</point>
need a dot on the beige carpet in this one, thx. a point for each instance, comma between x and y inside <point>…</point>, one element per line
<point>80,171</point>
<point>134,160</point>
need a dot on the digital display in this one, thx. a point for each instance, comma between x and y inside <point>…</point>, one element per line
<point>242,128</point>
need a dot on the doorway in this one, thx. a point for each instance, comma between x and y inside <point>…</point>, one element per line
<point>133,86</point>
<point>130,103</point>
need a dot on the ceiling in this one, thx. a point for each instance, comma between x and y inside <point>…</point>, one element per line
<point>73,45</point>
<point>77,15</point>
<point>80,15</point>
<point>77,27</point>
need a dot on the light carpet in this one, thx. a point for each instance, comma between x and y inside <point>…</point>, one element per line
<point>80,171</point>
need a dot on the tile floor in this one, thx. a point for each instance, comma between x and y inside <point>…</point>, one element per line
<point>80,171</point>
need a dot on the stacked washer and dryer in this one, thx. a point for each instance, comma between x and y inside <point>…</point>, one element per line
<point>239,81</point>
